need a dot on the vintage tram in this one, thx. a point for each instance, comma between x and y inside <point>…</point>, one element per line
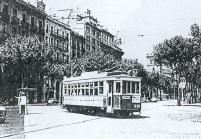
<point>115,93</point>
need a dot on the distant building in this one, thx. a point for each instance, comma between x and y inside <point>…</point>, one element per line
<point>95,36</point>
<point>19,17</point>
<point>151,66</point>
<point>109,45</point>
<point>77,49</point>
<point>57,35</point>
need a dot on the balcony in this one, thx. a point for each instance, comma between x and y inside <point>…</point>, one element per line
<point>4,17</point>
<point>15,20</point>
<point>59,47</point>
<point>57,35</point>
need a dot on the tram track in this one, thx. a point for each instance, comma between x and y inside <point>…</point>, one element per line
<point>50,127</point>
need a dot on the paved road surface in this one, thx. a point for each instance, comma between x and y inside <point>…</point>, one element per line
<point>161,120</point>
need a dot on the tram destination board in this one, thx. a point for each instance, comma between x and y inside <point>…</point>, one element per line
<point>136,99</point>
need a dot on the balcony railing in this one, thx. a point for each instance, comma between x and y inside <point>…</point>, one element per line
<point>59,47</point>
<point>55,34</point>
<point>4,17</point>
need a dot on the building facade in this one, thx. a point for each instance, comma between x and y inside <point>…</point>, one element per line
<point>22,18</point>
<point>109,45</point>
<point>96,37</point>
<point>19,17</point>
<point>57,36</point>
<point>77,49</point>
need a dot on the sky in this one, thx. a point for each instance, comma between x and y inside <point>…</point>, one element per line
<point>156,20</point>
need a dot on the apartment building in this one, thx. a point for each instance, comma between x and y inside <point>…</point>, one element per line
<point>20,17</point>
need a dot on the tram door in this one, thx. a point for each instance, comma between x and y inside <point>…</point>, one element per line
<point>110,96</point>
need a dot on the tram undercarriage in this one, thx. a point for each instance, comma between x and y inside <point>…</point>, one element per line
<point>102,111</point>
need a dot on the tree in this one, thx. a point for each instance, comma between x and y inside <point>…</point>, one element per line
<point>182,55</point>
<point>23,60</point>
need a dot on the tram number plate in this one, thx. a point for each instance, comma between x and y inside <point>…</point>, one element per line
<point>136,99</point>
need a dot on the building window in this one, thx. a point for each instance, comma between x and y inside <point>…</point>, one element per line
<point>5,8</point>
<point>57,56</point>
<point>52,28</point>
<point>98,43</point>
<point>67,59</point>
<point>93,41</point>
<point>14,12</point>
<point>4,27</point>
<point>93,48</point>
<point>78,46</point>
<point>67,36</point>
<point>46,39</point>
<point>32,21</point>
<point>88,38</point>
<point>98,35</point>
<point>88,47</point>
<point>67,47</point>
<point>87,29</point>
<point>40,23</point>
<point>93,32</point>
<point>47,28</point>
<point>23,17</point>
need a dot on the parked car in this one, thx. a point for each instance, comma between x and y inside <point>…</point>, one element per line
<point>2,114</point>
<point>153,99</point>
<point>52,101</point>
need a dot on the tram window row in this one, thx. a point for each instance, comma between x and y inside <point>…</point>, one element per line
<point>96,88</point>
<point>89,88</point>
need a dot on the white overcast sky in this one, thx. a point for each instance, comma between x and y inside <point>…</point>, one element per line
<point>155,19</point>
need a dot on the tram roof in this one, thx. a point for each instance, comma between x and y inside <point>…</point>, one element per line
<point>98,75</point>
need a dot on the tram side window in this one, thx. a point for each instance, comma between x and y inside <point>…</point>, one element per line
<point>91,92</point>
<point>124,87</point>
<point>96,91</point>
<point>65,89</point>
<point>133,87</point>
<point>95,84</point>
<point>101,87</point>
<point>118,86</point>
<point>87,91</point>
<point>109,101</point>
<point>137,90</point>
<point>79,92</point>
<point>82,91</point>
<point>101,83</point>
<point>128,87</point>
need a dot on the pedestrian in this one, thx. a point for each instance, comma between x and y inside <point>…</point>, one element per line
<point>22,102</point>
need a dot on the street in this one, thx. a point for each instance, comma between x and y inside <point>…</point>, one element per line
<point>161,120</point>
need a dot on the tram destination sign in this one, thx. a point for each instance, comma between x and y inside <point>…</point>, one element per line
<point>136,99</point>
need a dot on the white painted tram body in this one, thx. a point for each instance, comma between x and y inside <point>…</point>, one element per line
<point>111,92</point>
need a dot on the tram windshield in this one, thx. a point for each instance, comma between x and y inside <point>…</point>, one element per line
<point>130,87</point>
